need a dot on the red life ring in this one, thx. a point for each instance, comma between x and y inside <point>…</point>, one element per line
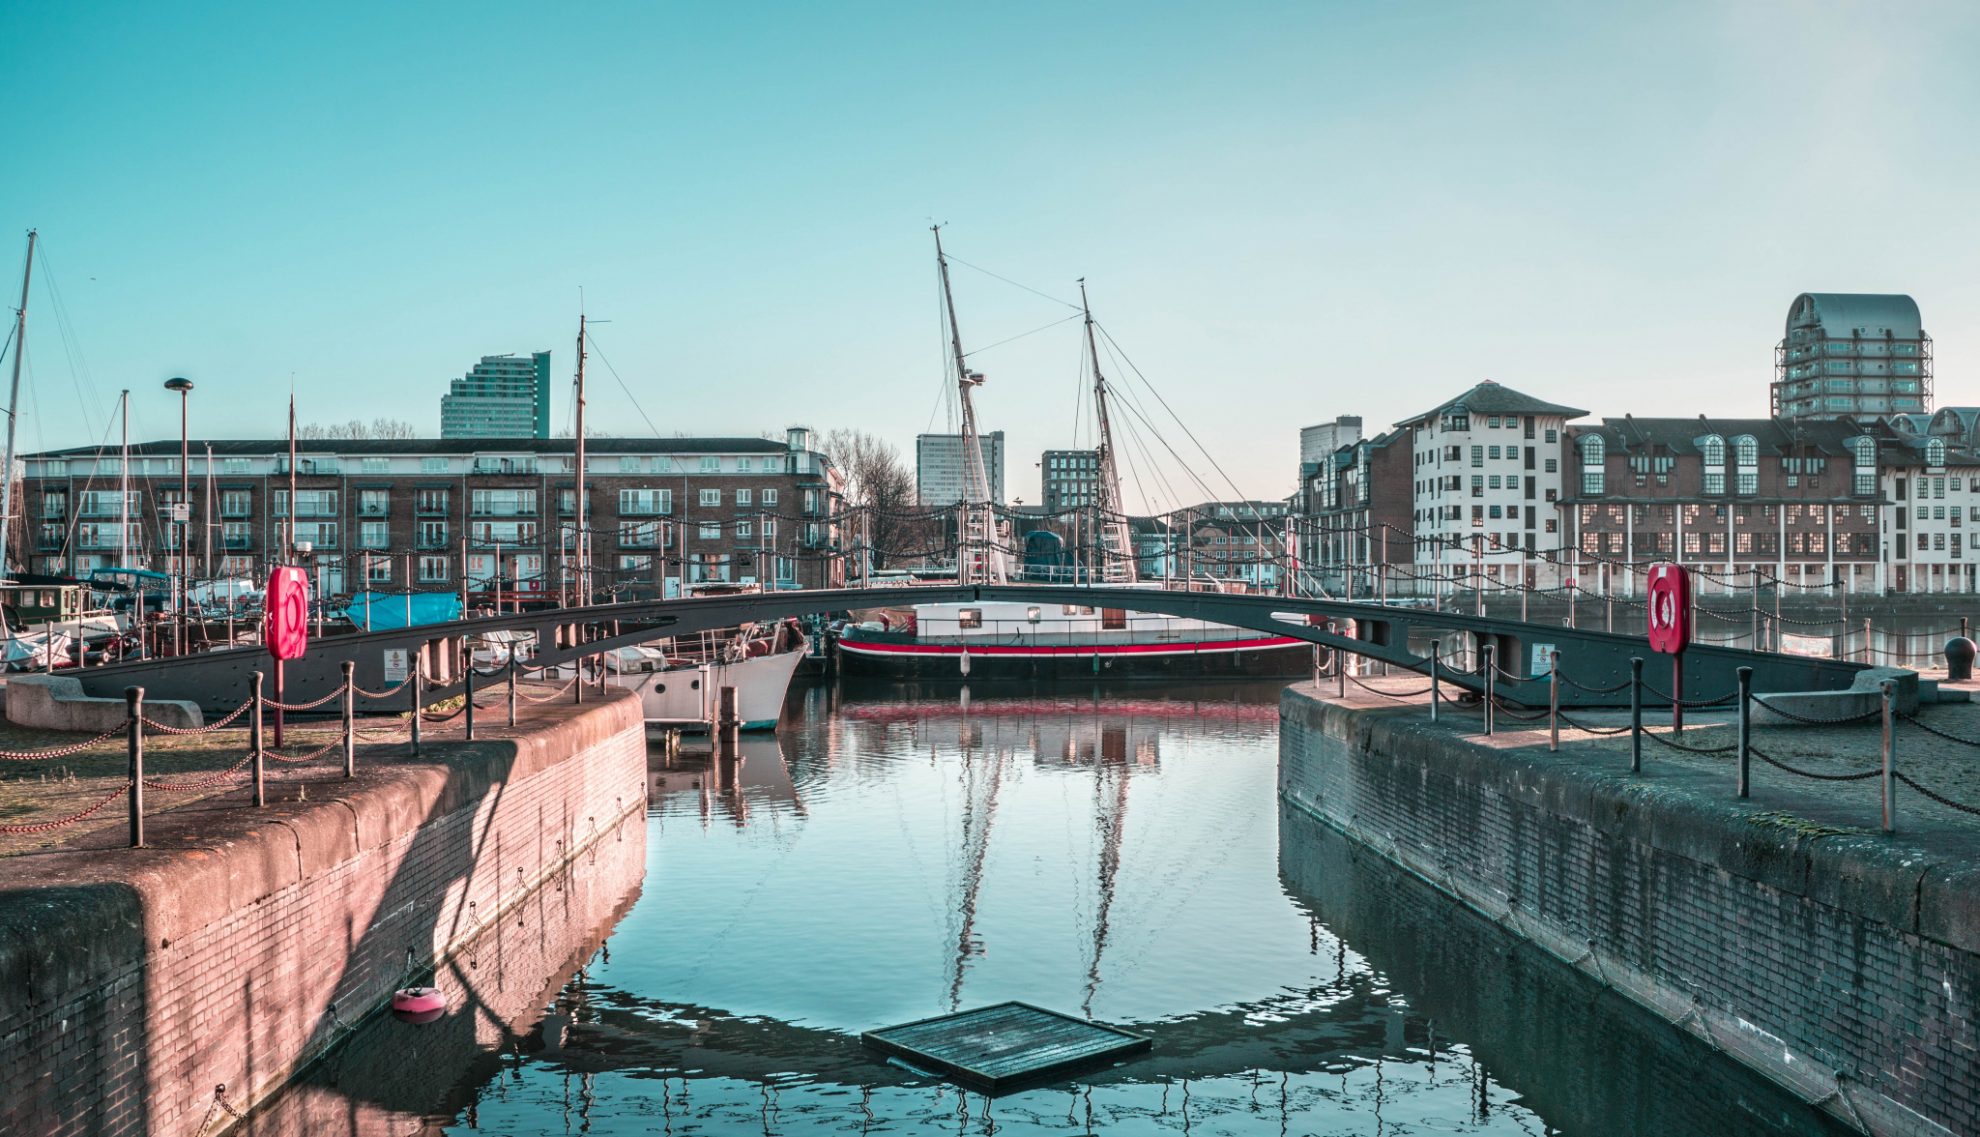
<point>418,1000</point>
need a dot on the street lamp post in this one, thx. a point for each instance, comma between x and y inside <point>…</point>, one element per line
<point>183,514</point>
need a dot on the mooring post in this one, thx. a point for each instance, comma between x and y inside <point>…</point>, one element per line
<point>1636,714</point>
<point>134,707</point>
<point>418,703</point>
<point>512,687</point>
<point>1745,675</point>
<point>350,720</point>
<point>467,693</point>
<point>1553,700</point>
<point>254,742</point>
<point>1436,696</point>
<point>1888,776</point>
<point>1488,654</point>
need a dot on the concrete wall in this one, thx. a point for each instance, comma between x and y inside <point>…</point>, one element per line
<point>133,982</point>
<point>1842,966</point>
<point>57,702</point>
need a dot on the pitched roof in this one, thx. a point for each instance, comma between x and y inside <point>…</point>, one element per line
<point>1683,436</point>
<point>1491,398</point>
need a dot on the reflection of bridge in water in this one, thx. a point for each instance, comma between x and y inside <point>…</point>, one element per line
<point>1395,635</point>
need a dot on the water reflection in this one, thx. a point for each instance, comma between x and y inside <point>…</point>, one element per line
<point>896,854</point>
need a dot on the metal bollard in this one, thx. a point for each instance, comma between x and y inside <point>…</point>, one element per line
<point>1436,695</point>
<point>1888,776</point>
<point>1553,700</point>
<point>418,699</point>
<point>254,742</point>
<point>512,690</point>
<point>134,707</point>
<point>350,720</point>
<point>1745,675</point>
<point>1488,654</point>
<point>1636,714</point>
<point>577,680</point>
<point>467,693</point>
<point>1340,672</point>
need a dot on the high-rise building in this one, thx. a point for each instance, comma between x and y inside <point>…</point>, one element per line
<point>1852,356</point>
<point>940,473</point>
<point>505,396</point>
<point>1068,479</point>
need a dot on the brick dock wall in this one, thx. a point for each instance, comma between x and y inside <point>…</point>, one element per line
<point>1841,966</point>
<point>134,982</point>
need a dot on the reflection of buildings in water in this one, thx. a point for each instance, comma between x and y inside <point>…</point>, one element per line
<point>732,780</point>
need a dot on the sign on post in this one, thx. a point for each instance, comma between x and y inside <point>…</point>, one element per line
<point>1669,594</point>
<point>287,607</point>
<point>1670,608</point>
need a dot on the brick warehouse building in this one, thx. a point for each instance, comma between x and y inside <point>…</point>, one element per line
<point>388,513</point>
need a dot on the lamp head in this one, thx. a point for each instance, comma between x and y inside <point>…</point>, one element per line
<point>179,383</point>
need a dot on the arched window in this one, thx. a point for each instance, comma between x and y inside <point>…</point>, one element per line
<point>1935,452</point>
<point>1865,450</point>
<point>1746,456</point>
<point>1594,455</point>
<point>1713,449</point>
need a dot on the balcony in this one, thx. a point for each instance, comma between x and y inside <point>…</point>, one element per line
<point>374,509</point>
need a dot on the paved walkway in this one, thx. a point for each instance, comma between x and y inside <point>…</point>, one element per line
<point>1948,767</point>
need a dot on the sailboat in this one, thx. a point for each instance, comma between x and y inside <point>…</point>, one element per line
<point>1019,640</point>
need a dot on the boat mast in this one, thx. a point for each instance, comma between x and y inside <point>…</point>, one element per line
<point>583,535</point>
<point>1117,562</point>
<point>13,405</point>
<point>976,527</point>
<point>124,493</point>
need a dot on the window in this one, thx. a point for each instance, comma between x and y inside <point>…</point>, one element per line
<point>1746,455</point>
<point>770,497</point>
<point>373,535</point>
<point>1553,465</point>
<point>432,466</point>
<point>969,618</point>
<point>430,501</point>
<point>1477,485</point>
<point>1865,450</point>
<point>432,535</point>
<point>744,531</point>
<point>374,503</point>
<point>645,502</point>
<point>640,535</point>
<point>1478,455</point>
<point>55,504</point>
<point>1492,452</point>
<point>745,465</point>
<point>742,497</point>
<point>1492,424</point>
<point>711,465</point>
<point>378,570</point>
<point>710,531</point>
<point>1935,452</point>
<point>502,503</point>
<point>711,497</point>
<point>309,503</point>
<point>432,570</point>
<point>1553,435</point>
<point>769,529</point>
<point>629,464</point>
<point>1493,482</point>
<point>234,466</point>
<point>1594,454</point>
<point>503,532</point>
<point>375,465</point>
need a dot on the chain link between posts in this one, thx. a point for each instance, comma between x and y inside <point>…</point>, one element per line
<point>45,826</point>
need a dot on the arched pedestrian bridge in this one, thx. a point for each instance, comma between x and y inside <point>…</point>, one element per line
<point>1398,635</point>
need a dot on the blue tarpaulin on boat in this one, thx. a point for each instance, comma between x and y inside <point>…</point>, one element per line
<point>384,611</point>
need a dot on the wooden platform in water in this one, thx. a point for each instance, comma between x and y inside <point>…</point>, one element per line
<point>1000,1047</point>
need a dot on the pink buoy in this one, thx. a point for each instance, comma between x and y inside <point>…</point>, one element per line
<point>419,1001</point>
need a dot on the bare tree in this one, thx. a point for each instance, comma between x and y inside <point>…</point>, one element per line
<point>879,481</point>
<point>357,429</point>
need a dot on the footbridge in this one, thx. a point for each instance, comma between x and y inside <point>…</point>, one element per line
<point>1597,663</point>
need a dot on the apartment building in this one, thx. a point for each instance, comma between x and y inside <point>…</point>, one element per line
<point>393,513</point>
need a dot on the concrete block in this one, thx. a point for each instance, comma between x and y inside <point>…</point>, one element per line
<point>57,702</point>
<point>1864,696</point>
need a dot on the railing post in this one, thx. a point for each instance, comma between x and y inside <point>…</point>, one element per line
<point>1745,675</point>
<point>467,693</point>
<point>603,672</point>
<point>254,741</point>
<point>1888,776</point>
<point>350,720</point>
<point>414,684</point>
<point>1436,696</point>
<point>1488,654</point>
<point>1869,654</point>
<point>1636,714</point>
<point>512,686</point>
<point>577,680</point>
<point>1553,700</point>
<point>134,707</point>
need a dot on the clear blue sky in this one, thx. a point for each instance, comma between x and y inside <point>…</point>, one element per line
<point>1286,212</point>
